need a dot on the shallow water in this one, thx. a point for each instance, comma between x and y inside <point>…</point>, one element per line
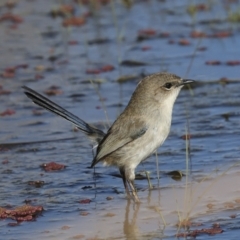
<point>210,110</point>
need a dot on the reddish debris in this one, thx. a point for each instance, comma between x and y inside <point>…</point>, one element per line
<point>202,7</point>
<point>52,166</point>
<point>4,92</point>
<point>148,32</point>
<point>66,9</point>
<point>184,42</point>
<point>36,112</point>
<point>7,112</point>
<point>186,137</point>
<point>221,34</point>
<point>233,63</point>
<point>9,72</point>
<point>73,21</point>
<point>73,42</point>
<point>63,11</point>
<point>106,68</point>
<point>38,77</point>
<point>84,213</point>
<point>213,62</point>
<point>24,66</point>
<point>11,17</point>
<point>194,233</point>
<point>10,69</point>
<point>53,90</point>
<point>93,71</point>
<point>229,205</point>
<point>3,149</point>
<point>37,184</point>
<point>23,213</point>
<point>202,49</point>
<point>87,14</point>
<point>197,34</point>
<point>164,34</point>
<point>146,48</point>
<point>85,201</point>
<point>65,227</point>
<point>237,200</point>
<point>5,161</point>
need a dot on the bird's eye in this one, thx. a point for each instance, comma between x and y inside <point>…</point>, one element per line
<point>168,85</point>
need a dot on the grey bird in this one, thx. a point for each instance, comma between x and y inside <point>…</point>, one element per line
<point>138,131</point>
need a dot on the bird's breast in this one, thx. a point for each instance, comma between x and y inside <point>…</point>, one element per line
<point>138,150</point>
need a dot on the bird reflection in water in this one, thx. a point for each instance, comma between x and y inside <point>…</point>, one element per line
<point>132,221</point>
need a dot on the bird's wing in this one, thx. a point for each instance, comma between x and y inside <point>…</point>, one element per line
<point>120,135</point>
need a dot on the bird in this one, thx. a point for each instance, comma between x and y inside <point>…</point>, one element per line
<point>137,132</point>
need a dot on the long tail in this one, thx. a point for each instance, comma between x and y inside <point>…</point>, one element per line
<point>92,132</point>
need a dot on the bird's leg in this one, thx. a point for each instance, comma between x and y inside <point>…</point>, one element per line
<point>134,192</point>
<point>149,181</point>
<point>122,172</point>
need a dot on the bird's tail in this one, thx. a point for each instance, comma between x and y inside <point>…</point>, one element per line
<point>94,133</point>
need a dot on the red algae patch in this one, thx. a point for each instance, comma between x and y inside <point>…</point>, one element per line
<point>7,112</point>
<point>20,214</point>
<point>210,231</point>
<point>53,90</point>
<point>52,166</point>
<point>85,201</point>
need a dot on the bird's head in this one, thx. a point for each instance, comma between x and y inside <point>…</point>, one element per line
<point>160,87</point>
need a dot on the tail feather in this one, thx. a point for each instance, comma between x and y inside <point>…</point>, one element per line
<point>94,133</point>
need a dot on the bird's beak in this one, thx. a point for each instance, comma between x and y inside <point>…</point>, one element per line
<point>185,81</point>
